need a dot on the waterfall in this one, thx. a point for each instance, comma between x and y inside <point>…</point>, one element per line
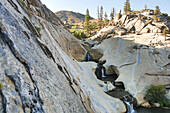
<point>102,70</point>
<point>88,57</point>
<point>129,104</point>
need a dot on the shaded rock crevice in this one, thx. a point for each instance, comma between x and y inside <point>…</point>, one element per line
<point>17,83</point>
<point>31,27</point>
<point>14,5</point>
<point>46,51</point>
<point>4,102</point>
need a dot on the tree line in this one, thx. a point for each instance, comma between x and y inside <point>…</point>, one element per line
<point>102,18</point>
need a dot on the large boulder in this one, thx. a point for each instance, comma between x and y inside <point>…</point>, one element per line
<point>117,17</point>
<point>139,25</point>
<point>123,18</point>
<point>119,31</point>
<point>131,24</point>
<point>151,29</point>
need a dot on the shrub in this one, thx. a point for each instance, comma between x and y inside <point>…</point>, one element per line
<point>38,29</point>
<point>157,94</point>
<point>80,34</point>
<point>74,27</point>
<point>165,31</point>
<point>1,86</point>
<point>23,3</point>
<point>165,14</point>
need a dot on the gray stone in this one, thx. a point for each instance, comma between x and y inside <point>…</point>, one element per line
<point>139,25</point>
<point>117,17</point>
<point>131,24</point>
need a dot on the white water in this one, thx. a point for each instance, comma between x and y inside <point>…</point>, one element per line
<point>88,57</point>
<point>130,105</point>
<point>103,73</point>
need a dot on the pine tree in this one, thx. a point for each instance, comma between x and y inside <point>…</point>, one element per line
<point>157,11</point>
<point>112,13</point>
<point>105,15</point>
<point>111,16</point>
<point>87,18</point>
<point>100,24</point>
<point>157,14</point>
<point>127,6</point>
<point>146,6</point>
<point>105,19</point>
<point>101,13</point>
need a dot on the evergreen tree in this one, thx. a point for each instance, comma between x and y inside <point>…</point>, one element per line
<point>157,11</point>
<point>157,14</point>
<point>111,16</point>
<point>112,13</point>
<point>100,24</point>
<point>101,13</point>
<point>146,6</point>
<point>87,18</point>
<point>127,6</point>
<point>105,15</point>
<point>105,19</point>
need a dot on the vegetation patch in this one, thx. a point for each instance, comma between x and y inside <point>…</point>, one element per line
<point>165,31</point>
<point>23,3</point>
<point>157,94</point>
<point>1,86</point>
<point>38,29</point>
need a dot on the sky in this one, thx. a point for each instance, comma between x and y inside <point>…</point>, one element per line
<point>82,5</point>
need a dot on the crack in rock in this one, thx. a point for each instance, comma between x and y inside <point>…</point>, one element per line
<point>4,101</point>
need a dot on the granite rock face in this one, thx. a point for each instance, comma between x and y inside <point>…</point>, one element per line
<point>139,65</point>
<point>35,76</point>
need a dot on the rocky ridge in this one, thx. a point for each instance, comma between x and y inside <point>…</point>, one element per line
<point>71,17</point>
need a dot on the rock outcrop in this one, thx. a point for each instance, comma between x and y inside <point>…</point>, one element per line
<point>140,54</point>
<point>33,72</point>
<point>141,60</point>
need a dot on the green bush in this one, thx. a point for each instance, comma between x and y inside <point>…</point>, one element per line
<point>38,29</point>
<point>74,27</point>
<point>1,86</point>
<point>165,14</point>
<point>23,3</point>
<point>165,31</point>
<point>80,34</point>
<point>157,94</point>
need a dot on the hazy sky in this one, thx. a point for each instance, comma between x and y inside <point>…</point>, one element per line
<point>82,5</point>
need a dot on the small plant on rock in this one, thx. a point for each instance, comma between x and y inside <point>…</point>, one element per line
<point>1,86</point>
<point>157,94</point>
<point>165,31</point>
<point>23,3</point>
<point>38,29</point>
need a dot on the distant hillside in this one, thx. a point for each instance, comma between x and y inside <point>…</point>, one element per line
<point>70,16</point>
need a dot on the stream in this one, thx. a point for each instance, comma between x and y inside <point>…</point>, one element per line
<point>119,91</point>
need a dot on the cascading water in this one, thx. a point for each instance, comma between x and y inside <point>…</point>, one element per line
<point>88,57</point>
<point>129,103</point>
<point>103,73</point>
